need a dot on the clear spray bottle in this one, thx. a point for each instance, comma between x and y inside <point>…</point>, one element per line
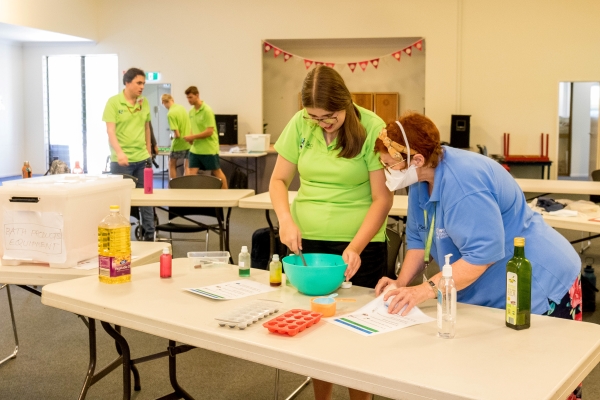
<point>446,299</point>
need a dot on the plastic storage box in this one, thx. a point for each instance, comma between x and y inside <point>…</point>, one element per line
<point>204,259</point>
<point>54,219</point>
<point>258,142</point>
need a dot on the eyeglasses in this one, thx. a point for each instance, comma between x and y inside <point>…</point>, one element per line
<point>328,120</point>
<point>390,167</point>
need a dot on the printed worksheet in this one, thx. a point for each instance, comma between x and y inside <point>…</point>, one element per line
<point>232,290</point>
<point>373,319</point>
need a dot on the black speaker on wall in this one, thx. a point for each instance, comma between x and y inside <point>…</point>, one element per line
<point>227,127</point>
<point>460,130</point>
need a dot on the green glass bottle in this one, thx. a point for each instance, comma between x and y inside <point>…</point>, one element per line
<point>518,288</point>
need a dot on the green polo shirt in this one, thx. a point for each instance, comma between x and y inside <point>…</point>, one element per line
<point>179,121</point>
<point>201,119</point>
<point>130,122</point>
<point>335,192</point>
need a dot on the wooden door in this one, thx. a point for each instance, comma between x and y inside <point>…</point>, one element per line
<point>365,100</point>
<point>386,106</point>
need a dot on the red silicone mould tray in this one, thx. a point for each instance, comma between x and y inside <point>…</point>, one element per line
<point>293,322</point>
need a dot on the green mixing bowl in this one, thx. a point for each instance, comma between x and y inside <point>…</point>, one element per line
<point>323,275</point>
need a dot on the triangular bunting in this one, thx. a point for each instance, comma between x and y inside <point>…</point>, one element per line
<point>408,51</point>
<point>317,63</point>
<point>363,65</point>
<point>375,62</point>
<point>308,63</point>
<point>267,47</point>
<point>286,56</point>
<point>419,45</point>
<point>352,66</point>
<point>330,65</point>
<point>397,55</point>
<point>276,52</point>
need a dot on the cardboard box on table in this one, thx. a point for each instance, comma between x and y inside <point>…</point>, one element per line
<point>54,219</point>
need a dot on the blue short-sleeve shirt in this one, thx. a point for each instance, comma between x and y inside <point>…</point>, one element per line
<point>479,210</point>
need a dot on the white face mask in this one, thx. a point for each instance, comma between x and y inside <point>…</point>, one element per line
<point>395,179</point>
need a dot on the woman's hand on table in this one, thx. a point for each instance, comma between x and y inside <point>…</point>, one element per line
<point>406,297</point>
<point>352,258</point>
<point>290,235</point>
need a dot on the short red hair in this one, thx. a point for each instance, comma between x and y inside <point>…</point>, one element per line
<point>422,134</point>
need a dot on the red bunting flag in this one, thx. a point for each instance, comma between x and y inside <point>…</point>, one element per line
<point>363,65</point>
<point>276,52</point>
<point>397,55</point>
<point>286,56</point>
<point>352,66</point>
<point>267,47</point>
<point>308,63</point>
<point>408,51</point>
<point>419,45</point>
<point>317,63</point>
<point>330,65</point>
<point>375,62</point>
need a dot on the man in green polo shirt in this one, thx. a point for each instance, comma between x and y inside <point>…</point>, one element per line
<point>127,117</point>
<point>204,153</point>
<point>179,123</point>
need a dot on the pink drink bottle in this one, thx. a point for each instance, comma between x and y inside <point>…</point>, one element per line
<point>165,263</point>
<point>148,178</point>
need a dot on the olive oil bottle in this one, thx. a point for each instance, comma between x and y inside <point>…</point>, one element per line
<point>518,288</point>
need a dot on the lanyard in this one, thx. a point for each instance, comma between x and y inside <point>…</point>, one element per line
<point>428,242</point>
<point>429,236</point>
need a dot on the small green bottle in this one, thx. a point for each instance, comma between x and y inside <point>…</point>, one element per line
<point>518,288</point>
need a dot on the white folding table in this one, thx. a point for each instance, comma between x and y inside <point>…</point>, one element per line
<point>485,361</point>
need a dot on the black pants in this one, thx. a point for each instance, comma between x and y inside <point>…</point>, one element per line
<point>373,259</point>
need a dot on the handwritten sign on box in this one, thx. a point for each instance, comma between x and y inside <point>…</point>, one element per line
<point>34,235</point>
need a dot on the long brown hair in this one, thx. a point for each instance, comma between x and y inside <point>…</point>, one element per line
<point>422,134</point>
<point>324,88</point>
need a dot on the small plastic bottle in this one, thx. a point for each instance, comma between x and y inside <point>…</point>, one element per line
<point>244,262</point>
<point>275,271</point>
<point>26,170</point>
<point>148,178</point>
<point>77,168</point>
<point>446,302</point>
<point>165,263</point>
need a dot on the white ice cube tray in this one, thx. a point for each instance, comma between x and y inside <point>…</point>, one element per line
<point>248,314</point>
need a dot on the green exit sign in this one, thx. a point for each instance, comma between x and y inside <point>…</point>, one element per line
<point>152,76</point>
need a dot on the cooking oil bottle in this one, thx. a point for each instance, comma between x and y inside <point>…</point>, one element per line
<point>114,248</point>
<point>518,288</point>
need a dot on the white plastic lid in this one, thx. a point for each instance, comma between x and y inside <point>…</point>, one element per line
<point>275,257</point>
<point>166,251</point>
<point>447,271</point>
<point>346,285</point>
<point>244,249</point>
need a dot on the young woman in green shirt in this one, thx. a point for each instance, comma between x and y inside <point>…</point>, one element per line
<point>342,203</point>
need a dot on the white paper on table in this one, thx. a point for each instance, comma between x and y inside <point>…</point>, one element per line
<point>374,319</point>
<point>231,290</point>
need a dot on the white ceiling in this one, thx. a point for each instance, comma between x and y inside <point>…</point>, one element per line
<point>15,33</point>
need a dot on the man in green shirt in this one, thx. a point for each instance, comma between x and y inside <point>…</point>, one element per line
<point>179,123</point>
<point>204,153</point>
<point>127,117</point>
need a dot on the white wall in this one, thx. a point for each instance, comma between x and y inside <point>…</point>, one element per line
<point>282,81</point>
<point>216,45</point>
<point>71,17</point>
<point>580,129</point>
<point>497,61</point>
<point>12,140</point>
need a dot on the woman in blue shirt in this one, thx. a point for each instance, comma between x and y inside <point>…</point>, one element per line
<point>473,209</point>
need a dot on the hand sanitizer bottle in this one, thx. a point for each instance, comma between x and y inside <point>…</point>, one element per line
<point>244,262</point>
<point>446,302</point>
